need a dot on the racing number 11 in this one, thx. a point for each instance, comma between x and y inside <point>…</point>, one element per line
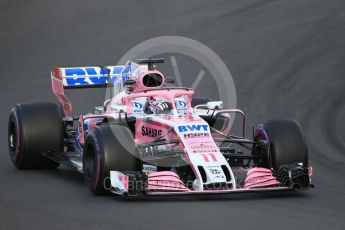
<point>207,155</point>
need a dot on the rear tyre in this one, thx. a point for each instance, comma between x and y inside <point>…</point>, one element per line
<point>285,141</point>
<point>33,129</point>
<point>107,148</point>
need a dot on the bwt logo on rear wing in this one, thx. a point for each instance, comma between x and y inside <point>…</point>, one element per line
<point>91,76</point>
<point>94,76</point>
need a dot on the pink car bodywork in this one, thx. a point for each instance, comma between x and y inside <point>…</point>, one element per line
<point>192,132</point>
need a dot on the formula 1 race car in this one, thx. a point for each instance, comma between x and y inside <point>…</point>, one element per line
<point>148,138</point>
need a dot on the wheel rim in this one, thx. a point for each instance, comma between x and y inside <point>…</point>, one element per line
<point>262,138</point>
<point>12,139</point>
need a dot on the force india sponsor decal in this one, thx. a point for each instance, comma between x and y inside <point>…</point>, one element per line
<point>195,135</point>
<point>137,107</point>
<point>215,171</point>
<point>150,132</point>
<point>192,128</point>
<point>203,147</point>
<point>181,106</point>
<point>200,143</point>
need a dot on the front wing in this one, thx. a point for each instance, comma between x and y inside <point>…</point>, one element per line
<point>134,183</point>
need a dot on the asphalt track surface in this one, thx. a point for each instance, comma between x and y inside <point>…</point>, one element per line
<point>287,61</point>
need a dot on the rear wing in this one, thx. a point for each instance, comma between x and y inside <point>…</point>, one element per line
<point>89,77</point>
<point>82,77</point>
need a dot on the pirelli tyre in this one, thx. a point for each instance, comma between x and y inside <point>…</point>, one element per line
<point>285,141</point>
<point>107,148</point>
<point>35,129</point>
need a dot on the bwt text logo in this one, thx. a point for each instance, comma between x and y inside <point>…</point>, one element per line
<point>91,75</point>
<point>192,128</point>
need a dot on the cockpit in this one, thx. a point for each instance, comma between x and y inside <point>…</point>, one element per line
<point>160,105</point>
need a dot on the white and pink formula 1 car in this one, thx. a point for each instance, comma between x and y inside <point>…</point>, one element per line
<point>151,139</point>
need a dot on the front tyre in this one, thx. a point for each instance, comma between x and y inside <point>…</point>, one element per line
<point>108,148</point>
<point>285,150</point>
<point>286,142</point>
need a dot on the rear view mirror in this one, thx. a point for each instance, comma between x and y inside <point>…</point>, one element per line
<point>214,105</point>
<point>119,108</point>
<point>99,110</point>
